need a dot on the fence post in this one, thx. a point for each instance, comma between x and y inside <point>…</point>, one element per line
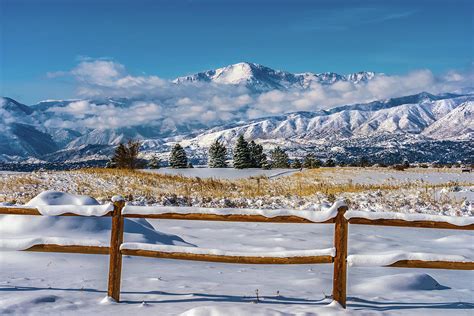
<point>116,239</point>
<point>340,263</point>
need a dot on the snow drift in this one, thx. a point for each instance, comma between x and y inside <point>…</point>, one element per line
<point>22,232</point>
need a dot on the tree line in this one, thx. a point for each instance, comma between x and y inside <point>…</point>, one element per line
<point>245,154</point>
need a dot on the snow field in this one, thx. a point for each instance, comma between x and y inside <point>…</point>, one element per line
<point>172,287</point>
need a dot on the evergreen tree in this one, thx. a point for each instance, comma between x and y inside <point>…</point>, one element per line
<point>154,163</point>
<point>126,155</point>
<point>266,165</point>
<point>330,163</point>
<point>257,157</point>
<point>406,163</point>
<point>242,154</point>
<point>308,161</point>
<point>178,158</point>
<point>316,163</point>
<point>279,158</point>
<point>364,162</point>
<point>217,155</point>
<point>296,164</point>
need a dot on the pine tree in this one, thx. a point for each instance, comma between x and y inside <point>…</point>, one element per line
<point>126,155</point>
<point>257,157</point>
<point>279,158</point>
<point>178,158</point>
<point>330,163</point>
<point>308,161</point>
<point>364,162</point>
<point>242,154</point>
<point>316,163</point>
<point>296,164</point>
<point>217,155</point>
<point>266,165</point>
<point>154,163</point>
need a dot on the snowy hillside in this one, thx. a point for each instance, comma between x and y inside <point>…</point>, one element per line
<point>449,118</point>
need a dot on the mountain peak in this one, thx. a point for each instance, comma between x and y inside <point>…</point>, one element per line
<point>260,78</point>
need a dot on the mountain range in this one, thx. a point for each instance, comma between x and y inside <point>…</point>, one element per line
<point>426,126</point>
<point>259,78</point>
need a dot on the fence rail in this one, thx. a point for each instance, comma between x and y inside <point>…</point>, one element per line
<point>339,260</point>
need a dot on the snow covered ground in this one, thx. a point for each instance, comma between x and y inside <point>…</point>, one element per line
<point>384,175</point>
<point>224,173</point>
<point>71,284</point>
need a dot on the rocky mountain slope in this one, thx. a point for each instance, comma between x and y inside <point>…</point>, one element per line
<point>40,131</point>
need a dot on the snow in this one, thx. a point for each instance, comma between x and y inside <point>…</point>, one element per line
<point>401,283</point>
<point>70,284</point>
<point>224,173</point>
<point>380,260</point>
<point>53,203</point>
<point>458,221</point>
<point>387,176</point>
<point>25,243</point>
<point>313,216</point>
<point>118,198</point>
<point>21,232</point>
<point>330,309</point>
<point>218,252</point>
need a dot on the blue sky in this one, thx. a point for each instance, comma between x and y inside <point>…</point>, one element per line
<point>172,38</point>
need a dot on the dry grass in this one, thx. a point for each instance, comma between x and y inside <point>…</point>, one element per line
<point>152,187</point>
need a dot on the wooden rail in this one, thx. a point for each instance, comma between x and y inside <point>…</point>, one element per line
<point>340,244</point>
<point>33,211</point>
<point>228,259</point>
<point>404,223</point>
<point>419,264</point>
<point>92,250</point>
<point>229,218</point>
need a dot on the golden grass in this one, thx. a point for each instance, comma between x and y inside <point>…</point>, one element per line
<point>306,183</point>
<point>104,183</point>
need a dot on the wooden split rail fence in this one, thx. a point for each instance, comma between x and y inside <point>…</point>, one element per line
<point>340,244</point>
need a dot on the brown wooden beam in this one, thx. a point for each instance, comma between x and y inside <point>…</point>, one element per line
<point>341,231</point>
<point>228,218</point>
<point>95,250</point>
<point>115,261</point>
<point>227,259</point>
<point>433,265</point>
<point>403,223</point>
<point>19,211</point>
<point>33,211</point>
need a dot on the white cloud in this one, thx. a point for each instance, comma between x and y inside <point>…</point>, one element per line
<point>208,104</point>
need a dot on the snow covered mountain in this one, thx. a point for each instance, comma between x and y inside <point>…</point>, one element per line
<point>19,132</point>
<point>58,130</point>
<point>445,117</point>
<point>260,78</point>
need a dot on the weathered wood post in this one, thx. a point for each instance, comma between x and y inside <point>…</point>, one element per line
<point>116,239</point>
<point>340,260</point>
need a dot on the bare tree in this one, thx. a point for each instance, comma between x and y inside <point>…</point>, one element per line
<point>126,155</point>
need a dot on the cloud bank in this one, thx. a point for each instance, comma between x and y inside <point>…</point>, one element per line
<point>161,102</point>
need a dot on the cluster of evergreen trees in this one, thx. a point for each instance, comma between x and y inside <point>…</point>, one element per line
<point>248,155</point>
<point>245,155</point>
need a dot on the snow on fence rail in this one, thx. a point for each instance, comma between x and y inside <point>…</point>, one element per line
<point>337,255</point>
